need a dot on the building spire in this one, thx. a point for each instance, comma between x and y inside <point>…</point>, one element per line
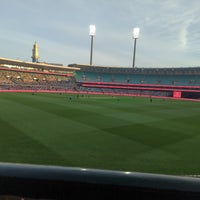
<point>35,54</point>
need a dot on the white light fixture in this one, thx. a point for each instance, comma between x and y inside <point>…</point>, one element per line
<point>136,32</point>
<point>92,30</point>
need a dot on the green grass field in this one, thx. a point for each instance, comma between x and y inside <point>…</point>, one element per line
<point>117,133</point>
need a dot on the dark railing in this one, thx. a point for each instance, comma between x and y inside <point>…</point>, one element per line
<point>49,182</point>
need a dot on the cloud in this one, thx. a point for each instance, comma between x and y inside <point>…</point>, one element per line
<point>168,4</point>
<point>183,38</point>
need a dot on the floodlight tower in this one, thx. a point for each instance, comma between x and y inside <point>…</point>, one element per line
<point>136,32</point>
<point>92,34</point>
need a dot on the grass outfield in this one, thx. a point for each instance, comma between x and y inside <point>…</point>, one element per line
<point>124,133</point>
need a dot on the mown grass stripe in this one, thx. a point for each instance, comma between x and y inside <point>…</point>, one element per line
<point>121,133</point>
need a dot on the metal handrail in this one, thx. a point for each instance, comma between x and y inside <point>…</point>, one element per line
<point>54,182</point>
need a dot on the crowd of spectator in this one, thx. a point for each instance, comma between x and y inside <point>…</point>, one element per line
<point>26,80</point>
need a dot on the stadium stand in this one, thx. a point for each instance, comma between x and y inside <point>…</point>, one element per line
<point>181,83</point>
<point>18,79</point>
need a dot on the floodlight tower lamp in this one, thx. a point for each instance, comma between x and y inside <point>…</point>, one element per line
<point>136,33</point>
<point>92,34</point>
<point>92,30</point>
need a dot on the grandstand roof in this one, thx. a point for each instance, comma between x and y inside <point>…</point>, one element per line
<point>7,61</point>
<point>147,71</point>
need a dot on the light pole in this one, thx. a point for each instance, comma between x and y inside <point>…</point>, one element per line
<point>92,34</point>
<point>136,32</point>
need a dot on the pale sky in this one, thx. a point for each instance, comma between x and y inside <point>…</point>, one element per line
<point>169,31</point>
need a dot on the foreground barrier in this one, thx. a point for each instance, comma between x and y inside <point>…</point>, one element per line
<point>50,182</point>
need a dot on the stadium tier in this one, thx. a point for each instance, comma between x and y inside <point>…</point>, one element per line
<point>154,82</point>
<point>22,76</point>
<point>15,79</point>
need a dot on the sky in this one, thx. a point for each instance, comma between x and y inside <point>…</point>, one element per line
<point>169,31</point>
